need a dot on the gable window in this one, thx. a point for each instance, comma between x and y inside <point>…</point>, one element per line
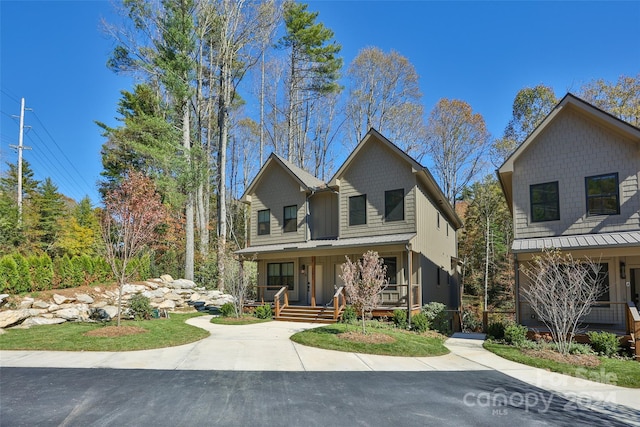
<point>545,202</point>
<point>280,274</point>
<point>438,219</point>
<point>392,272</point>
<point>358,210</point>
<point>602,194</point>
<point>290,218</point>
<point>394,205</point>
<point>264,222</point>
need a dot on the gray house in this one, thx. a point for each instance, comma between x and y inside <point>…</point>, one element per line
<point>380,199</point>
<point>574,185</point>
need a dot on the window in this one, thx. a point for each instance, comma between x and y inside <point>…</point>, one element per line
<point>392,272</point>
<point>602,194</point>
<point>545,202</point>
<point>280,274</point>
<point>358,210</point>
<point>394,205</point>
<point>603,278</point>
<point>290,218</point>
<point>264,222</point>
<point>438,219</point>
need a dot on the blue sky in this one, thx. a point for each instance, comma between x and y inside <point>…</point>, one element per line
<point>53,54</point>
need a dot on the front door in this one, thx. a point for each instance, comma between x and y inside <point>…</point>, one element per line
<point>320,298</point>
<point>635,286</point>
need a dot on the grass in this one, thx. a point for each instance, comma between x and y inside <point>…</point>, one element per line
<point>70,336</point>
<point>624,373</point>
<point>243,320</point>
<point>405,343</point>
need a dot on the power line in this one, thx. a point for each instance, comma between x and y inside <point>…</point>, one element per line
<point>14,98</point>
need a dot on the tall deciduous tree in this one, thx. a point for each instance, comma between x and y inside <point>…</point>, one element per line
<point>457,140</point>
<point>620,98</point>
<point>131,216</point>
<point>384,94</point>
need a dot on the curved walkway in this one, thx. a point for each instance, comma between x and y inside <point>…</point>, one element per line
<point>267,347</point>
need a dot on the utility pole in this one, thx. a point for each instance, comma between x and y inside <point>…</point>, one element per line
<point>20,147</point>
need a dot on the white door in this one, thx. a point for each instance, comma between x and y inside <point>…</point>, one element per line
<point>320,300</point>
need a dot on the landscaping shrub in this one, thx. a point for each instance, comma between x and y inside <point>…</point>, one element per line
<point>419,323</point>
<point>437,316</point>
<point>78,275</point>
<point>140,307</point>
<point>495,330</point>
<point>400,318</point>
<point>263,311</point>
<point>471,321</point>
<point>349,315</point>
<point>228,310</point>
<point>577,348</point>
<point>604,343</point>
<point>23,284</point>
<point>515,334</point>
<point>8,274</point>
<point>63,270</point>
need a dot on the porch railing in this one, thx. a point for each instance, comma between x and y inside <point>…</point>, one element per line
<point>611,313</point>
<point>339,302</point>
<point>633,328</point>
<point>282,293</point>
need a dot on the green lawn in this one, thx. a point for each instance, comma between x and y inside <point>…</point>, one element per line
<point>625,373</point>
<point>405,343</point>
<point>244,320</point>
<point>70,336</point>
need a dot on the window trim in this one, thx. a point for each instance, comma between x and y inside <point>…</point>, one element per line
<point>267,222</point>
<point>387,213</point>
<point>588,197</point>
<point>557,201</point>
<point>287,221</point>
<point>351,219</point>
<point>280,264</point>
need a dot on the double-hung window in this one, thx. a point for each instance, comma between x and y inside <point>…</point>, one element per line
<point>358,210</point>
<point>545,202</point>
<point>394,205</point>
<point>602,194</point>
<point>280,274</point>
<point>290,218</point>
<point>264,221</point>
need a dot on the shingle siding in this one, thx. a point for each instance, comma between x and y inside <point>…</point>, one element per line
<point>570,149</point>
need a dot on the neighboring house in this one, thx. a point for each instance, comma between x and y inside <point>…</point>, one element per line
<point>574,185</point>
<point>380,199</point>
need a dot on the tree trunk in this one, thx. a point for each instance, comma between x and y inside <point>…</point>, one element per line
<point>189,213</point>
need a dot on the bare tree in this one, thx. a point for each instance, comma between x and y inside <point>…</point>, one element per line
<point>364,282</point>
<point>562,290</point>
<point>457,139</point>
<point>132,213</point>
<point>238,281</point>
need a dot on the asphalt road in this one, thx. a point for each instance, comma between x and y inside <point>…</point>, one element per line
<point>114,397</point>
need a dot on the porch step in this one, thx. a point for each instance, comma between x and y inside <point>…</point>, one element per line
<point>307,314</point>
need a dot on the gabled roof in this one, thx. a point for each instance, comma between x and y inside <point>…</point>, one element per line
<point>307,181</point>
<point>569,102</point>
<point>420,171</point>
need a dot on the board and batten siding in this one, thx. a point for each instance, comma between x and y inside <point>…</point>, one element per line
<point>277,189</point>
<point>377,169</point>
<point>571,148</point>
<point>323,215</point>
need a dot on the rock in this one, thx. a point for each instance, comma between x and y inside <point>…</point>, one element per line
<point>99,304</point>
<point>53,307</point>
<point>158,293</point>
<point>26,302</point>
<point>97,289</point>
<point>41,304</point>
<point>195,296</point>
<point>84,298</point>
<point>35,321</point>
<point>183,283</point>
<point>167,304</point>
<point>61,299</point>
<point>133,289</point>
<point>173,297</point>
<point>111,310</point>
<point>13,317</point>
<point>68,314</point>
<point>166,278</point>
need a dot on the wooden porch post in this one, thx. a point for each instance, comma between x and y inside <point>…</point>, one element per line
<point>313,281</point>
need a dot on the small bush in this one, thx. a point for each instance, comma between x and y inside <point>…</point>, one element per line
<point>604,343</point>
<point>419,323</point>
<point>24,274</point>
<point>140,307</point>
<point>495,330</point>
<point>471,322</point>
<point>263,312</point>
<point>8,274</point>
<point>349,315</point>
<point>577,348</point>
<point>400,318</point>
<point>437,316</point>
<point>515,334</point>
<point>228,310</point>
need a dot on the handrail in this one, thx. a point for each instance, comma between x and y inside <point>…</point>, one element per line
<point>633,327</point>
<point>337,307</point>
<point>276,299</point>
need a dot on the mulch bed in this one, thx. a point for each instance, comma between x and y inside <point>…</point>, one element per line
<point>115,331</point>
<point>369,338</point>
<point>586,360</point>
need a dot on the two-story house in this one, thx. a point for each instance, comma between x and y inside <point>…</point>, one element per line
<point>574,185</point>
<point>380,199</point>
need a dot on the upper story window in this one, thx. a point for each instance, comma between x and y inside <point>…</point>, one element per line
<point>290,218</point>
<point>358,210</point>
<point>545,202</point>
<point>264,222</point>
<point>394,205</point>
<point>602,194</point>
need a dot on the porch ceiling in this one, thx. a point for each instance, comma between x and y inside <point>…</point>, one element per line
<point>314,245</point>
<point>583,241</point>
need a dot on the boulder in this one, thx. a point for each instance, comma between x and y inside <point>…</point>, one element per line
<point>61,299</point>
<point>151,285</point>
<point>36,321</point>
<point>99,304</point>
<point>68,314</point>
<point>158,293</point>
<point>41,304</point>
<point>133,289</point>
<point>84,298</point>
<point>13,317</point>
<point>172,296</point>
<point>166,278</point>
<point>26,302</point>
<point>111,310</point>
<point>167,304</point>
<point>53,307</point>
<point>183,283</point>
<point>195,296</point>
